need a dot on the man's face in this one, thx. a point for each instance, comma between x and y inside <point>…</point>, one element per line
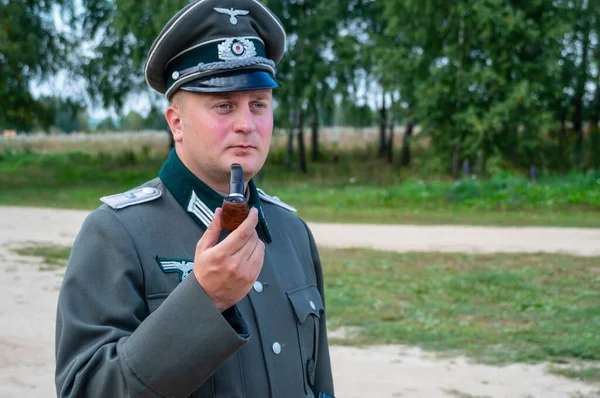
<point>214,130</point>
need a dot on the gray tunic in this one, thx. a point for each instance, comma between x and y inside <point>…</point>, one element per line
<point>130,325</point>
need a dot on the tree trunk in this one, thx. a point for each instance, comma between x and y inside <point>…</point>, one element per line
<point>595,118</point>
<point>289,150</point>
<point>382,127</point>
<point>300,136</point>
<point>456,153</point>
<point>563,122</point>
<point>578,126</point>
<point>480,165</point>
<point>456,161</point>
<point>563,138</point>
<point>580,89</point>
<point>405,156</point>
<point>315,134</point>
<point>390,142</point>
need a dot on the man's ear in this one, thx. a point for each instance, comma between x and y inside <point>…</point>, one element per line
<point>174,114</point>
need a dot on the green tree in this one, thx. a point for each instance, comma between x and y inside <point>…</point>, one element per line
<point>357,47</point>
<point>306,67</point>
<point>123,31</point>
<point>407,43</point>
<point>132,121</point>
<point>31,48</point>
<point>68,115</point>
<point>155,120</point>
<point>485,68</point>
<point>107,124</point>
<point>595,111</point>
<point>494,83</point>
<point>579,41</point>
<point>349,113</point>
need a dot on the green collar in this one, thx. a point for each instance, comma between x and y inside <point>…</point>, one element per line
<point>200,200</point>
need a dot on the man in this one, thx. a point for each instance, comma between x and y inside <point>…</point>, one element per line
<point>157,300</point>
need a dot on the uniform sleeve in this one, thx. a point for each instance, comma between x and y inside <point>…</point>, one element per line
<point>323,376</point>
<point>107,345</point>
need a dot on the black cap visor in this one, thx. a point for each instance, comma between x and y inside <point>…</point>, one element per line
<point>233,81</point>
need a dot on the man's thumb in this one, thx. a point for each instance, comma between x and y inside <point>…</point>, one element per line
<point>211,236</point>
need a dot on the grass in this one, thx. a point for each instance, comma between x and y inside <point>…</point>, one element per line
<point>54,257</point>
<point>581,373</point>
<point>498,309</point>
<point>458,394</point>
<point>358,188</point>
<point>577,394</point>
<point>367,204</point>
<point>73,180</point>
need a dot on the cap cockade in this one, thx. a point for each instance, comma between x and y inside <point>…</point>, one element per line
<point>217,46</point>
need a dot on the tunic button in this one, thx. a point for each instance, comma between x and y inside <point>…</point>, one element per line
<point>148,190</point>
<point>276,348</point>
<point>258,287</point>
<point>312,305</point>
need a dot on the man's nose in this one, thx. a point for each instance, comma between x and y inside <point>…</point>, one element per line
<point>244,120</point>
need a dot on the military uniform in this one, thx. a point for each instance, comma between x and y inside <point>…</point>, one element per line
<point>132,318</point>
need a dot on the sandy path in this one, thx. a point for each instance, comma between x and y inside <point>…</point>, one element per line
<point>460,239</point>
<point>62,225</point>
<point>29,305</point>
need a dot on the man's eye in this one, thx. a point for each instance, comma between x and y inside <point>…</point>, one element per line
<point>223,106</point>
<point>259,105</point>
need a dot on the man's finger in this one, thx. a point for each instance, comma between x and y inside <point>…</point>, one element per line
<point>244,253</point>
<point>238,238</point>
<point>257,258</point>
<point>211,236</point>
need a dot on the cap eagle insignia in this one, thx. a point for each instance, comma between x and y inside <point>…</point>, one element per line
<point>232,13</point>
<point>182,267</point>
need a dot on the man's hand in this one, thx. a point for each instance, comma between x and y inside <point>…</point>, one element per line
<point>227,271</point>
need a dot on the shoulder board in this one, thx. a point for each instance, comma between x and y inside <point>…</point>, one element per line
<point>133,197</point>
<point>275,200</point>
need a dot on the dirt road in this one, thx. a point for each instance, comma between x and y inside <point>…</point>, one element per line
<point>18,223</point>
<point>29,305</point>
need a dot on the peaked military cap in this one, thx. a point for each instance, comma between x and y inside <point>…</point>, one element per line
<point>217,46</point>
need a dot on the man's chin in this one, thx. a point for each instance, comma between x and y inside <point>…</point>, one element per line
<point>250,166</point>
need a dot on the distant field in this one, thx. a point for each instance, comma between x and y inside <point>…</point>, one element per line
<point>358,187</point>
<point>154,142</point>
<point>158,141</point>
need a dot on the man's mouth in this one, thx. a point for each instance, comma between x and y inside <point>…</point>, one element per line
<point>243,146</point>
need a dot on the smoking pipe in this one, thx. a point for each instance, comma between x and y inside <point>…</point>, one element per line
<point>235,206</point>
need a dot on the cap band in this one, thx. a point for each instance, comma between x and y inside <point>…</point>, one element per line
<point>227,53</point>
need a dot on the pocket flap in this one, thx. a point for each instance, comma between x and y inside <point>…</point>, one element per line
<point>155,300</point>
<point>305,301</point>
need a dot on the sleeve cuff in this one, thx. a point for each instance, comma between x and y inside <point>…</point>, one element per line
<point>237,322</point>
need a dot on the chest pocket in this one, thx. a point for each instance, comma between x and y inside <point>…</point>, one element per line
<point>308,308</point>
